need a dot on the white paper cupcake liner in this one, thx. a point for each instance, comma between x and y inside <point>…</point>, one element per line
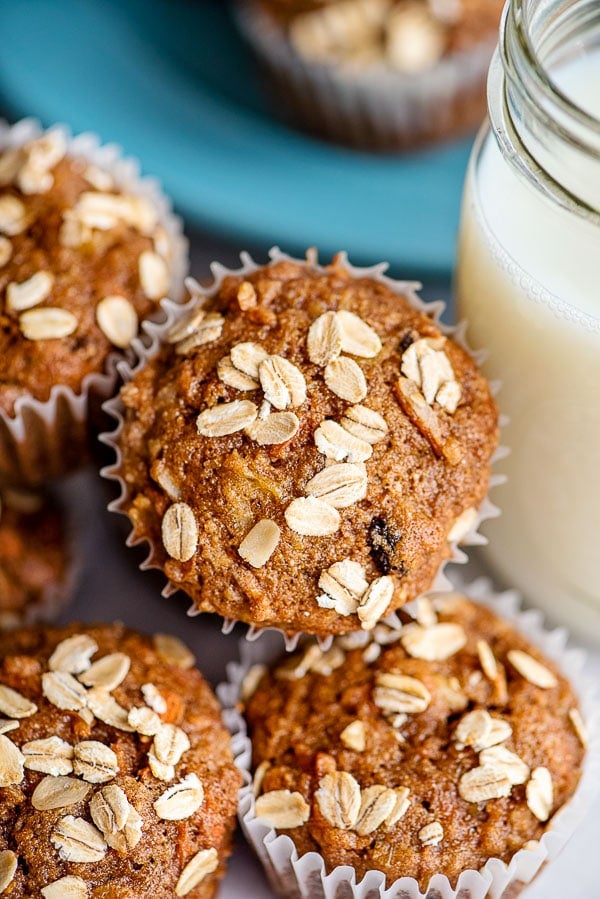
<point>57,595</point>
<point>44,439</point>
<point>147,347</point>
<point>305,877</point>
<point>375,108</point>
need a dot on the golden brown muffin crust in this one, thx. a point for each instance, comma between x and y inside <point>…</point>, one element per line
<point>416,488</point>
<point>297,726</point>
<point>152,866</point>
<point>86,265</point>
<point>33,554</point>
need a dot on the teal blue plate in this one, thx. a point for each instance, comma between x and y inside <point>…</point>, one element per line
<point>172,83</point>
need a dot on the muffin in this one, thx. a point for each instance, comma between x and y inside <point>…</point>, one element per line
<point>426,752</point>
<point>117,772</point>
<point>304,447</point>
<point>36,559</point>
<point>376,74</point>
<point>87,251</point>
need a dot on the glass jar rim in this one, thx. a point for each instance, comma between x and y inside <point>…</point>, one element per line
<point>525,103</point>
<point>516,17</point>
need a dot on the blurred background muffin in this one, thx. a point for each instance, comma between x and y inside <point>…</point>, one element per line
<point>375,74</point>
<point>37,559</point>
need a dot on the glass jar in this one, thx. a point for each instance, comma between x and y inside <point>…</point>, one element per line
<point>528,282</point>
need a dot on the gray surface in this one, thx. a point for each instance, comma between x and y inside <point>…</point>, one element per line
<point>112,587</point>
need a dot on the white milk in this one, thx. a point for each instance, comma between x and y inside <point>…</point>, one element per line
<point>528,283</point>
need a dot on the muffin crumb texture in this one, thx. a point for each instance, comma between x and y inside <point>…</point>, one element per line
<point>455,743</point>
<point>377,75</point>
<point>305,448</point>
<point>116,770</point>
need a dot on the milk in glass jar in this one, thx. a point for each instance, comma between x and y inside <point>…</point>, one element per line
<point>528,282</point>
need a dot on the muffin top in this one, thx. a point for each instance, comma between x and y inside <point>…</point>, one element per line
<point>81,262</point>
<point>405,36</point>
<point>454,743</point>
<point>116,770</point>
<point>34,558</point>
<point>303,449</point>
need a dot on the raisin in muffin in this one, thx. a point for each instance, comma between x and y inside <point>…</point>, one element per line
<point>424,752</point>
<point>303,448</point>
<point>86,253</point>
<point>116,769</point>
<point>375,74</point>
<point>36,559</point>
